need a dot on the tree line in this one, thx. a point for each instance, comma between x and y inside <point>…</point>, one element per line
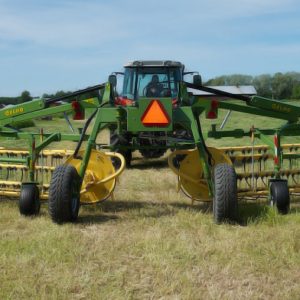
<point>25,97</point>
<point>277,86</point>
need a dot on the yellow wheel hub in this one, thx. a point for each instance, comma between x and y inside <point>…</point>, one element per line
<point>190,173</point>
<point>95,187</point>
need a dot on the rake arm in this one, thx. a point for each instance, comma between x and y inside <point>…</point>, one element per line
<point>277,108</point>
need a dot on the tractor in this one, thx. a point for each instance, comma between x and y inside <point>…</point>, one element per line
<point>156,109</point>
<point>148,79</point>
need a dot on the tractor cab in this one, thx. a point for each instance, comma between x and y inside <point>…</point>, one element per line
<point>148,79</point>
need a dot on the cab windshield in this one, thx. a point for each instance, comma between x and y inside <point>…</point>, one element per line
<point>151,82</point>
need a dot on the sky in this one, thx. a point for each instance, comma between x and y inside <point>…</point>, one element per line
<point>50,45</point>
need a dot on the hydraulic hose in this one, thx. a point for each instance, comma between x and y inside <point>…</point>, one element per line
<point>76,93</point>
<point>217,92</point>
<point>86,125</point>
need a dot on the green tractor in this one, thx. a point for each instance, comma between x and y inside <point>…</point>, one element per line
<point>149,79</point>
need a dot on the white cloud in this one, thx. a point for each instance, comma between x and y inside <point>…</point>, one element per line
<point>78,23</point>
<point>69,25</point>
<point>83,41</point>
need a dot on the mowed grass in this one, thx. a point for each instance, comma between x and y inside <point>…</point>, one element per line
<point>151,243</point>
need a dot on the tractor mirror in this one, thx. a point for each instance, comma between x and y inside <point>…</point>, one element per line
<point>112,79</point>
<point>197,79</point>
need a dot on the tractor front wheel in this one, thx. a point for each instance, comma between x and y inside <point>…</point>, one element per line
<point>280,195</point>
<point>225,203</point>
<point>29,203</point>
<point>64,194</point>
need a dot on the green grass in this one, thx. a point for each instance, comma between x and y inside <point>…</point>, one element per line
<point>56,125</point>
<point>150,243</point>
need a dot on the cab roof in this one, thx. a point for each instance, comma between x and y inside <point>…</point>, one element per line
<point>153,63</point>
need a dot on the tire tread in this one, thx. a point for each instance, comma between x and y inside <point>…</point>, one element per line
<point>225,198</point>
<point>60,206</point>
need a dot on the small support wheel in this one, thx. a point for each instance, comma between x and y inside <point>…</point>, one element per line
<point>29,202</point>
<point>280,196</point>
<point>225,203</point>
<point>64,194</point>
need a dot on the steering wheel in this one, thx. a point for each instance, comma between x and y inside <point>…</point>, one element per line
<point>166,92</point>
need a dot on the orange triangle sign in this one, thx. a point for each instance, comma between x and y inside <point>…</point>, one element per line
<point>155,115</point>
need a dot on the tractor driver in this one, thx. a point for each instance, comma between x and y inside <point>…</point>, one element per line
<point>154,87</point>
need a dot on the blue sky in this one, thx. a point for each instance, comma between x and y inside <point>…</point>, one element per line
<point>47,46</point>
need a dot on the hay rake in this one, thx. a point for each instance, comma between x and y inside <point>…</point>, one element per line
<point>12,175</point>
<point>254,168</point>
<point>156,111</point>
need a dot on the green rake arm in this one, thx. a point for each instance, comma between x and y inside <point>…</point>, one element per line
<point>255,105</point>
<point>44,107</point>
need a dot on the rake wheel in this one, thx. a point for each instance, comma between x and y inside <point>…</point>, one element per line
<point>29,202</point>
<point>64,194</point>
<point>280,195</point>
<point>225,204</point>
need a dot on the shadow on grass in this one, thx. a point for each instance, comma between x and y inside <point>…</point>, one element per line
<point>203,207</point>
<point>107,211</point>
<point>252,212</point>
<point>257,212</point>
<point>142,164</point>
<point>102,212</point>
<point>95,218</point>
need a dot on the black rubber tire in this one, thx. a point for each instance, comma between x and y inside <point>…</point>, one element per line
<point>64,194</point>
<point>225,202</point>
<point>128,158</point>
<point>29,202</point>
<point>116,140</point>
<point>152,153</point>
<point>280,196</point>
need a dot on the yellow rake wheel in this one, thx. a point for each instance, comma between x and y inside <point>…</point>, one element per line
<point>190,173</point>
<point>100,176</point>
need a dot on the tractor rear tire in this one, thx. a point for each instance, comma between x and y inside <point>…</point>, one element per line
<point>117,140</point>
<point>225,203</point>
<point>280,195</point>
<point>152,153</point>
<point>29,202</point>
<point>64,194</point>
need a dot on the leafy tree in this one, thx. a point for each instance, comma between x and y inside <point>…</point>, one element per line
<point>296,91</point>
<point>239,79</point>
<point>282,86</point>
<point>25,97</point>
<point>221,80</point>
<point>235,79</point>
<point>263,85</point>
<point>57,94</point>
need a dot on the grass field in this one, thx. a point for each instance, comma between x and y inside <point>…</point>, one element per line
<point>150,243</point>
